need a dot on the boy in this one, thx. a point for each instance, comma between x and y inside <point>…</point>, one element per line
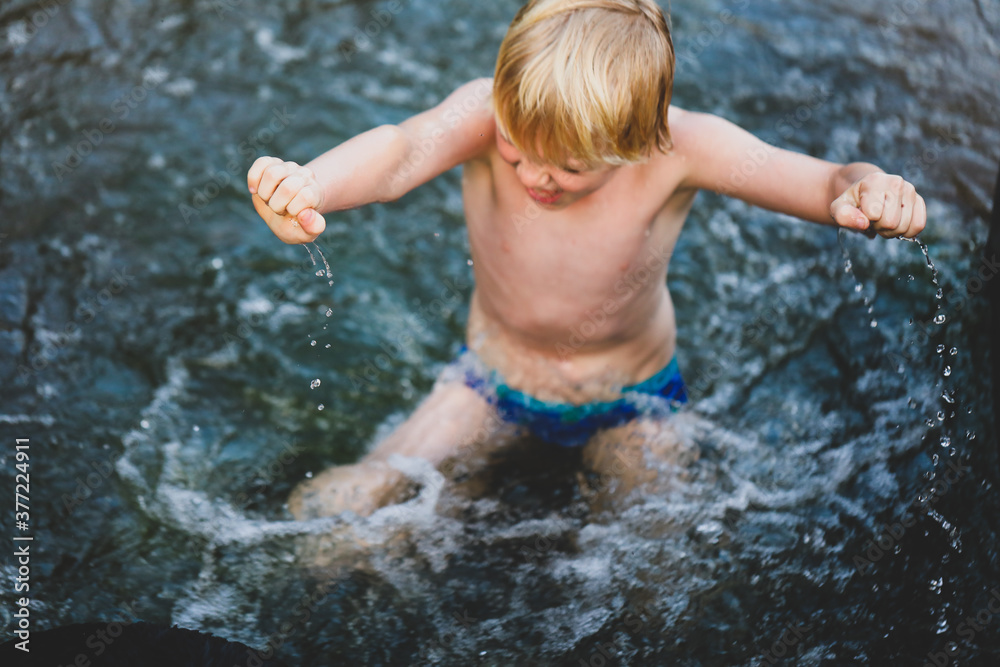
<point>578,176</point>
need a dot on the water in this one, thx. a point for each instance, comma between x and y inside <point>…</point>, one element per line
<point>163,331</point>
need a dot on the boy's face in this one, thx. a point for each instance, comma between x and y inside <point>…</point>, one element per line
<point>551,186</point>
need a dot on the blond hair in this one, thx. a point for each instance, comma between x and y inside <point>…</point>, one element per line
<point>589,80</point>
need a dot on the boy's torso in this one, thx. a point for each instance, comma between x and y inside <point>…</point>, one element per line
<point>572,304</point>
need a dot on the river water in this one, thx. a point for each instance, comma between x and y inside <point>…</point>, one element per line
<point>160,349</point>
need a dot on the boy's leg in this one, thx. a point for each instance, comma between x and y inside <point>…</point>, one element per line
<point>452,419</point>
<point>627,457</point>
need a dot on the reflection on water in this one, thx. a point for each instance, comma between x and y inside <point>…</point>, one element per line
<point>840,507</point>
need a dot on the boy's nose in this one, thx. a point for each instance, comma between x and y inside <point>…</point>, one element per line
<point>533,176</point>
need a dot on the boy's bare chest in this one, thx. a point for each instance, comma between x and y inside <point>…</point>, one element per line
<point>584,247</point>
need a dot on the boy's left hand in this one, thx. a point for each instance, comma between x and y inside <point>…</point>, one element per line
<point>881,203</point>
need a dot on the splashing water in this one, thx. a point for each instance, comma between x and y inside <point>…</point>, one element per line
<point>329,273</point>
<point>949,395</point>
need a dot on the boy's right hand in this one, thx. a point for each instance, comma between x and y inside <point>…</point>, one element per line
<point>288,198</point>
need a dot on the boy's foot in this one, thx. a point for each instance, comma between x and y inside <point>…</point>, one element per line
<point>361,488</point>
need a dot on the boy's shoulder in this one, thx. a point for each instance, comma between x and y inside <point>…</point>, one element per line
<point>702,143</point>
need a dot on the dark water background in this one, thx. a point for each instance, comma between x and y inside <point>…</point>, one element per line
<point>150,323</point>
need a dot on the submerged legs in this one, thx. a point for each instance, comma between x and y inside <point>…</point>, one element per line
<point>453,419</point>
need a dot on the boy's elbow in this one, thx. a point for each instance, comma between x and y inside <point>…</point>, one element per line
<point>396,143</point>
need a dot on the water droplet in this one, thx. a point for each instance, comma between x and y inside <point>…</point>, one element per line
<point>313,343</point>
<point>910,322</point>
<point>321,407</point>
<point>328,346</point>
<point>858,288</point>
<point>144,424</point>
<point>934,459</point>
<point>948,398</point>
<point>218,263</point>
<point>196,429</point>
<point>947,372</point>
<point>954,351</point>
<point>940,318</point>
<point>910,279</point>
<point>321,273</point>
<point>929,422</point>
<point>329,313</point>
<point>940,415</point>
<point>940,349</point>
<point>946,441</point>
<point>848,266</point>
<point>874,324</point>
<point>939,294</point>
<point>309,475</point>
<point>315,384</point>
<point>469,262</point>
<point>912,403</point>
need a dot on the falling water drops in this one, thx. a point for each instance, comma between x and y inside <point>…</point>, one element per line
<point>947,371</point>
<point>940,318</point>
<point>315,384</point>
<point>329,313</point>
<point>940,349</point>
<point>329,273</point>
<point>946,441</point>
<point>314,343</point>
<point>321,407</point>
<point>954,351</point>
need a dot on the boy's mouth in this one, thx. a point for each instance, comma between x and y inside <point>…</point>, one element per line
<point>544,197</point>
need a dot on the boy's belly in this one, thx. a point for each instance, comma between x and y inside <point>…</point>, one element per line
<point>580,363</point>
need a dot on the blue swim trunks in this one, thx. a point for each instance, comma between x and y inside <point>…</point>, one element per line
<point>568,424</point>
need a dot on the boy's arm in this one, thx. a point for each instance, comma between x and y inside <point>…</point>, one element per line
<point>725,158</point>
<point>379,165</point>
